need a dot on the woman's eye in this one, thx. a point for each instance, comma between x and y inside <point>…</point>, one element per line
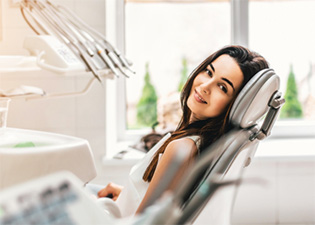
<point>223,88</point>
<point>208,72</point>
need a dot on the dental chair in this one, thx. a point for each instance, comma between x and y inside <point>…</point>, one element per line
<point>211,183</point>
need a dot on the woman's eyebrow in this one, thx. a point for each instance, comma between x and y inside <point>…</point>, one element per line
<point>229,82</point>
<point>210,64</point>
<point>223,78</point>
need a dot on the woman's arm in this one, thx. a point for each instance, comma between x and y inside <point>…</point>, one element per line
<point>184,146</point>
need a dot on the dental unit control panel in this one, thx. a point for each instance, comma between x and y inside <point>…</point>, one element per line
<point>58,198</point>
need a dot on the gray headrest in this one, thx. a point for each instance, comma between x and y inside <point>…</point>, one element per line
<point>252,102</point>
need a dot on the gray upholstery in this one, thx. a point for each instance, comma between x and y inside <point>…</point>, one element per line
<point>252,102</point>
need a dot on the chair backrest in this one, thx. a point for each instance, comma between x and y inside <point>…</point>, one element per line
<point>253,115</point>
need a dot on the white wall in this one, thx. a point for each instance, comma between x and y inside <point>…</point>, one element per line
<point>82,116</point>
<point>287,199</point>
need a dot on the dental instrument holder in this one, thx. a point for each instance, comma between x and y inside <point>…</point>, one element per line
<point>53,55</point>
<point>85,44</point>
<point>48,53</point>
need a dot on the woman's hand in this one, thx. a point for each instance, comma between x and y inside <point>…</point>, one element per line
<point>111,191</point>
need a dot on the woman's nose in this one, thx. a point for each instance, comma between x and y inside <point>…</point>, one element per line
<point>204,90</point>
<point>206,87</point>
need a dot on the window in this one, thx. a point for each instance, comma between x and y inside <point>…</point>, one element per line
<point>280,31</point>
<point>166,40</point>
<point>168,37</point>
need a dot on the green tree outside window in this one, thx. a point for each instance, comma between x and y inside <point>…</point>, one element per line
<point>292,107</point>
<point>184,75</point>
<point>147,105</point>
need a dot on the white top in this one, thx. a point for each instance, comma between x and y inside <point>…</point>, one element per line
<point>132,195</point>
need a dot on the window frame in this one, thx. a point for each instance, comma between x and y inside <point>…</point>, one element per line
<point>116,105</point>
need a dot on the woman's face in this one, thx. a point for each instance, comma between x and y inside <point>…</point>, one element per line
<point>214,88</point>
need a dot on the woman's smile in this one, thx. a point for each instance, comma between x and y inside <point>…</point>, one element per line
<point>199,98</point>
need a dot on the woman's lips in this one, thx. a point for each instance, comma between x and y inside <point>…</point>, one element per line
<point>199,98</point>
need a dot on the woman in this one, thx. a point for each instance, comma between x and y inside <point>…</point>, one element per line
<point>206,101</point>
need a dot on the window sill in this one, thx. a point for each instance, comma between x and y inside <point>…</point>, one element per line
<point>273,149</point>
<point>286,149</point>
<point>293,129</point>
<point>119,162</point>
<point>129,158</point>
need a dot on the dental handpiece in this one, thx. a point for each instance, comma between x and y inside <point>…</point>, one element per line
<point>89,64</point>
<point>113,57</point>
<point>106,59</point>
<point>123,60</point>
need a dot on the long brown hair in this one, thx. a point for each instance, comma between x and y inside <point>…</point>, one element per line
<point>210,129</point>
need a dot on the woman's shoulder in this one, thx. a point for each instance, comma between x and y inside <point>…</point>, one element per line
<point>187,140</point>
<point>183,144</point>
<point>193,139</point>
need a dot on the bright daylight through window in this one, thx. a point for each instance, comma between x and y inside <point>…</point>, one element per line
<point>167,39</point>
<point>285,38</point>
